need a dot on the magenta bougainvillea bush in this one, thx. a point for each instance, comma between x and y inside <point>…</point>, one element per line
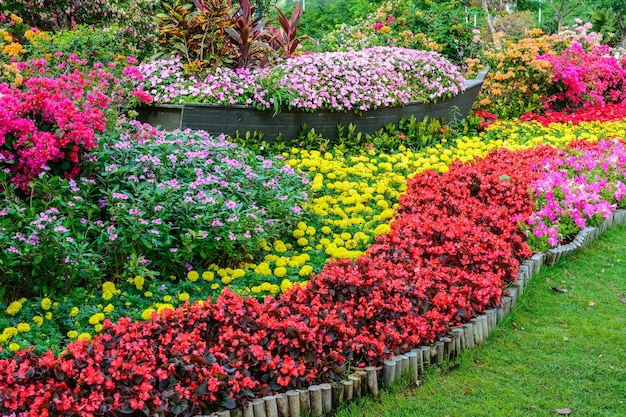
<point>586,79</point>
<point>48,125</point>
<point>52,110</point>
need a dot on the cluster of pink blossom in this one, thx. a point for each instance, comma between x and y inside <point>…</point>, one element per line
<point>588,79</point>
<point>50,121</point>
<point>578,190</point>
<point>341,81</point>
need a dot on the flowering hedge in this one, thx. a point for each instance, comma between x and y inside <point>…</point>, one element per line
<point>606,113</point>
<point>341,81</point>
<point>520,81</point>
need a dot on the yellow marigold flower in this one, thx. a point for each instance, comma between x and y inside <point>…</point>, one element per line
<point>10,332</point>
<point>275,289</point>
<point>303,241</point>
<point>285,285</point>
<point>98,328</point>
<point>310,231</point>
<point>298,233</point>
<point>72,334</point>
<point>84,336</point>
<point>302,225</point>
<point>227,280</point>
<point>183,296</point>
<point>279,246</point>
<point>382,229</point>
<point>238,273</point>
<point>14,347</point>
<point>14,308</point>
<point>305,271</point>
<point>208,276</point>
<point>164,306</point>
<point>266,286</point>
<point>215,286</point>
<point>16,18</point>
<point>96,318</point>
<point>326,230</point>
<point>108,308</point>
<point>38,320</point>
<point>46,303</point>
<point>23,327</point>
<point>147,294</point>
<point>193,275</point>
<point>138,281</point>
<point>281,271</point>
<point>147,313</point>
<point>167,298</point>
<point>109,290</point>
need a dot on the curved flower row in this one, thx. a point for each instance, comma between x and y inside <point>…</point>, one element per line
<point>453,247</point>
<point>352,199</point>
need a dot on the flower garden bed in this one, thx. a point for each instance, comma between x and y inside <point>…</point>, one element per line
<point>367,88</point>
<point>202,356</point>
<point>238,119</point>
<point>154,261</point>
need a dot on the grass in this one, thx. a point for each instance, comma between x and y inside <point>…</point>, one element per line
<point>557,350</point>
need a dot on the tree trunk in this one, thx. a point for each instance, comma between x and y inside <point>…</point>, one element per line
<point>492,29</point>
<point>622,27</point>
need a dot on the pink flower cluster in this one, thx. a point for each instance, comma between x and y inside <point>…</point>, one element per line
<point>49,121</point>
<point>578,189</point>
<point>342,81</point>
<point>588,79</point>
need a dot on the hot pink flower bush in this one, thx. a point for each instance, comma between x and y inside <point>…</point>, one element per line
<point>587,78</point>
<point>48,124</point>
<point>52,112</point>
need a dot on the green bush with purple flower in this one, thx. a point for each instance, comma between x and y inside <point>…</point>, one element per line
<point>148,204</point>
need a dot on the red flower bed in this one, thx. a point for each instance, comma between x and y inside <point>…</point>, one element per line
<point>454,246</point>
<point>608,113</point>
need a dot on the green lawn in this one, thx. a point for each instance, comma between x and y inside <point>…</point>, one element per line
<point>557,350</point>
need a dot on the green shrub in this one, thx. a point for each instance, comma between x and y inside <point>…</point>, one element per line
<point>148,202</point>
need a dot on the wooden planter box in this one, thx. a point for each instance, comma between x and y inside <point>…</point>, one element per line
<point>229,120</point>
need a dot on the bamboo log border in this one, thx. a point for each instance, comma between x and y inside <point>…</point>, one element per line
<point>320,400</point>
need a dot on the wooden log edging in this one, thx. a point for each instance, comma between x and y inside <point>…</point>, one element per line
<point>321,400</point>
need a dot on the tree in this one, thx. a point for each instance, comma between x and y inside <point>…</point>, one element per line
<point>563,8</point>
<point>619,8</point>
